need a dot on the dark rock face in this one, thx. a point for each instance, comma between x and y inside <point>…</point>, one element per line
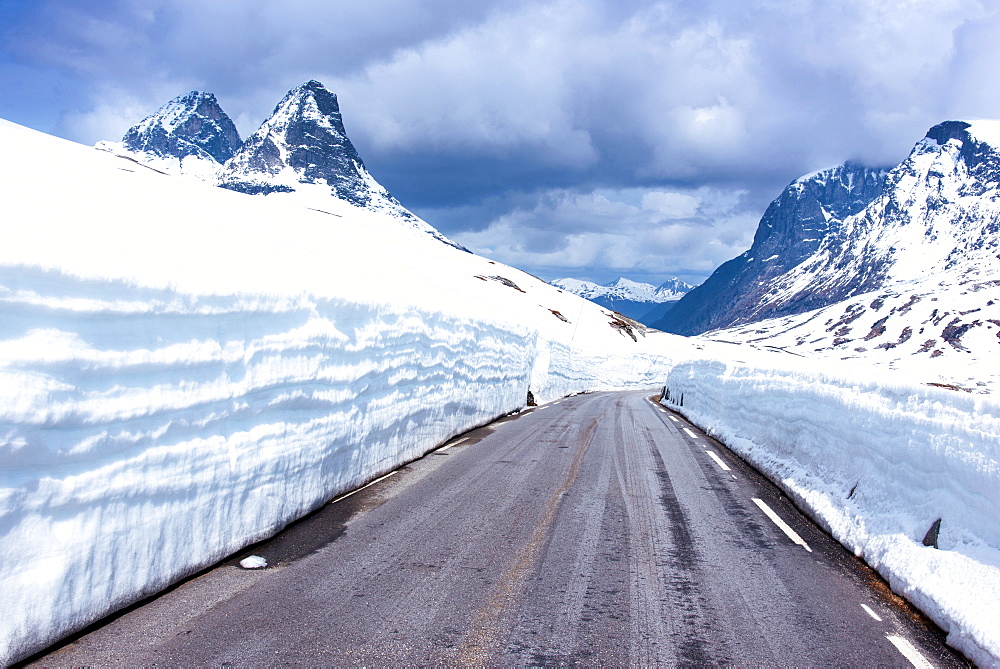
<point>942,132</point>
<point>305,133</point>
<point>189,125</point>
<point>808,213</point>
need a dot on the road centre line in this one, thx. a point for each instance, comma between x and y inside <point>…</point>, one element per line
<point>908,651</point>
<point>674,418</point>
<point>690,433</point>
<point>370,483</point>
<point>871,613</point>
<point>718,461</point>
<point>782,525</point>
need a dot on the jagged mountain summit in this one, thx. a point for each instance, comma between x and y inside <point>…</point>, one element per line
<point>808,214</point>
<point>643,302</point>
<point>303,148</point>
<point>190,135</point>
<point>302,142</point>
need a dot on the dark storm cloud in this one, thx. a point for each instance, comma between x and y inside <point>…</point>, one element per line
<point>582,137</point>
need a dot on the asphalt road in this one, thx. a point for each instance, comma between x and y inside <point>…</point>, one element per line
<point>598,530</point>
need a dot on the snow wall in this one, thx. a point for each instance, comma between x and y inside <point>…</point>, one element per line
<point>148,434</point>
<point>876,464</point>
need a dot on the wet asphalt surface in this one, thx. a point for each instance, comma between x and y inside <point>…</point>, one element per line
<point>598,530</point>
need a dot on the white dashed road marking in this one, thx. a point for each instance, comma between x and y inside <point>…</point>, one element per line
<point>908,651</point>
<point>690,433</point>
<point>871,613</point>
<point>782,525</point>
<point>718,461</point>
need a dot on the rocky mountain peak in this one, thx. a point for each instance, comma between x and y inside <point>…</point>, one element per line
<point>189,125</point>
<point>303,148</point>
<point>302,142</point>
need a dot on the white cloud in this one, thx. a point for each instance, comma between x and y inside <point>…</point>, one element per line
<point>670,204</point>
<point>631,232</point>
<point>678,89</point>
<point>497,87</point>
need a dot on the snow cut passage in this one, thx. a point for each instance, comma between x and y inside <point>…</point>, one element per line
<point>184,370</point>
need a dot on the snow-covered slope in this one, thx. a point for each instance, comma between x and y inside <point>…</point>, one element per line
<point>186,369</point>
<point>631,298</point>
<point>933,331</point>
<point>303,150</point>
<point>190,136</point>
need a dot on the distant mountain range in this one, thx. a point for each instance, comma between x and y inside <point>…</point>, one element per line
<point>643,302</point>
<point>301,149</point>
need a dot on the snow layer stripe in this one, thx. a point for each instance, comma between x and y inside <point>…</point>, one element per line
<point>148,471</point>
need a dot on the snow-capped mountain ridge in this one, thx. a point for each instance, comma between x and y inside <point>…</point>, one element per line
<point>301,149</point>
<point>838,233</point>
<point>910,282</point>
<point>625,289</point>
<point>642,301</point>
<point>937,216</point>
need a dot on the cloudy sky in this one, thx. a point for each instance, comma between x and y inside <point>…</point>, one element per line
<point>582,138</point>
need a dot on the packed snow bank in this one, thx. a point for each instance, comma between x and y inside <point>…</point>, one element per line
<point>200,431</point>
<point>185,370</point>
<point>877,463</point>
